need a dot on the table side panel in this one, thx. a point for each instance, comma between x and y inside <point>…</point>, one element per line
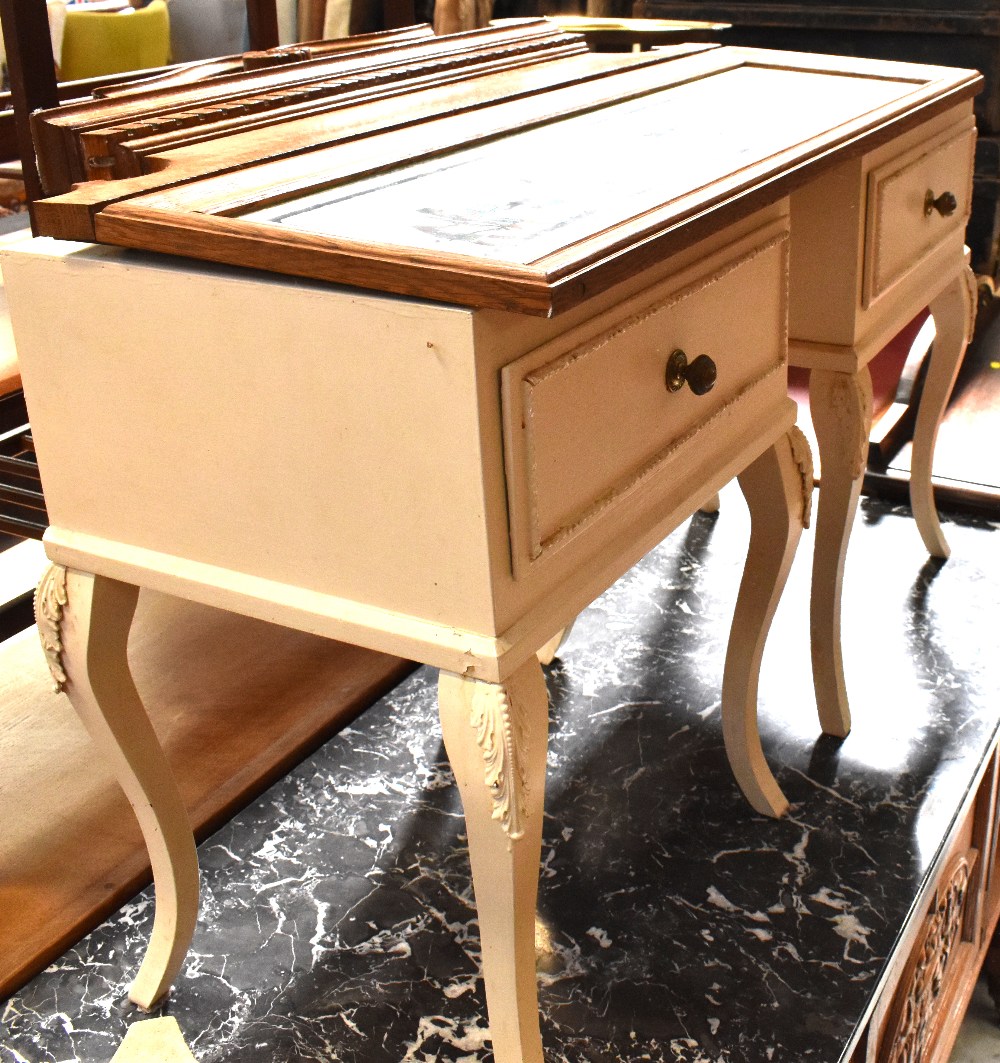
<point>313,437</point>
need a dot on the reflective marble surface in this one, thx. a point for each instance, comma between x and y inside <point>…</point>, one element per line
<point>674,923</point>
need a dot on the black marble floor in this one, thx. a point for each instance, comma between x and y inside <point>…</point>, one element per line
<point>674,923</point>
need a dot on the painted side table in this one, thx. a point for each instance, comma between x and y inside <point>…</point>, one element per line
<point>441,483</point>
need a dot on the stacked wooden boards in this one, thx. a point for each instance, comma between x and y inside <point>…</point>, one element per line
<point>148,128</point>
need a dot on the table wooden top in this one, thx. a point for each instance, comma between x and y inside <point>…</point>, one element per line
<point>528,189</point>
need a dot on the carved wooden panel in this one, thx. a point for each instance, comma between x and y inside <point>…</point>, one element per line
<point>924,988</point>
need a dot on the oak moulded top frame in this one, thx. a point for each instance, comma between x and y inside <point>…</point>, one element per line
<point>531,203</point>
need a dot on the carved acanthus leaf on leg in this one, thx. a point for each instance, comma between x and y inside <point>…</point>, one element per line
<point>500,735</point>
<point>802,456</point>
<point>50,601</point>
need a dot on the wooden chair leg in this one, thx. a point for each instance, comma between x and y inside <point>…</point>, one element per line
<point>841,407</point>
<point>954,312</point>
<point>777,487</point>
<point>496,737</point>
<point>83,621</point>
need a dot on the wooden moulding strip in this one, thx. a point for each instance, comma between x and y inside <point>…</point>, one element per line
<point>408,52</point>
<point>463,652</point>
<point>315,124</point>
<point>55,131</point>
<point>450,279</point>
<point>247,112</point>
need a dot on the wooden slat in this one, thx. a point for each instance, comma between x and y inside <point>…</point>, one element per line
<point>325,113</point>
<point>19,467</point>
<point>236,702</point>
<point>24,527</point>
<point>21,496</point>
<point>56,132</point>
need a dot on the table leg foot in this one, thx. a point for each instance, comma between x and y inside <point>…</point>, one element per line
<point>841,407</point>
<point>713,505</point>
<point>496,737</point>
<point>778,489</point>
<point>84,621</point>
<point>954,313</point>
<point>548,653</point>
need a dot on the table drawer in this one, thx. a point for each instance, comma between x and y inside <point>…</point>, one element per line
<point>902,227</point>
<point>589,420</point>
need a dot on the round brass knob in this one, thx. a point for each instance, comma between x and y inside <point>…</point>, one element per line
<point>699,375</point>
<point>945,204</point>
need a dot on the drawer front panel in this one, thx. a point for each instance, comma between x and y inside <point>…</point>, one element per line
<point>900,232</point>
<point>589,418</point>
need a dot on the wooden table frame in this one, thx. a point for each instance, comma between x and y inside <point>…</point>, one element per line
<point>836,328</point>
<point>842,312</point>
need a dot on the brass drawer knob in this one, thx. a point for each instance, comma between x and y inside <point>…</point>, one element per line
<point>946,204</point>
<point>699,375</point>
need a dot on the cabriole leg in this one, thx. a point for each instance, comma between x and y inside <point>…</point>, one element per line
<point>954,312</point>
<point>778,490</point>
<point>496,737</point>
<point>83,621</point>
<point>841,407</point>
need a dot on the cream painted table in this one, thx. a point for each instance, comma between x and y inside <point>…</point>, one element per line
<point>368,500</point>
<point>452,472</point>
